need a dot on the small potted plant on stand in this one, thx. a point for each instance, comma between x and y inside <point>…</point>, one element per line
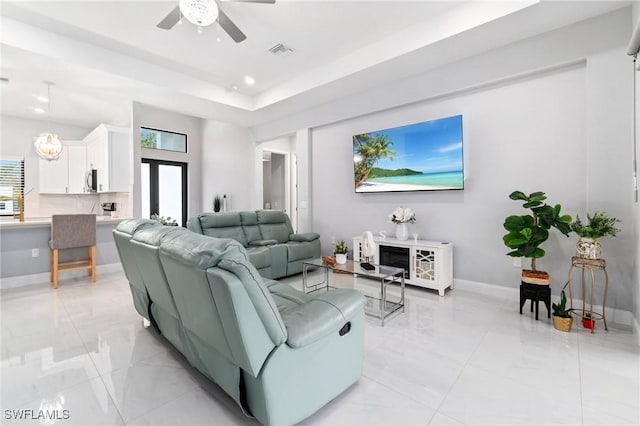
<point>597,226</point>
<point>340,251</point>
<point>216,203</point>
<point>562,319</point>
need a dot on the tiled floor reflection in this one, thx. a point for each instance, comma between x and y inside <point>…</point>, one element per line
<point>462,359</point>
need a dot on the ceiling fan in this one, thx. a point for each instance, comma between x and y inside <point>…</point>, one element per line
<point>203,13</point>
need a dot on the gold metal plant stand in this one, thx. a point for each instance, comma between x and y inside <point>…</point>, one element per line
<point>590,265</point>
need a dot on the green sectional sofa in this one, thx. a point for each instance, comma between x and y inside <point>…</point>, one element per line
<point>279,353</point>
<point>267,236</point>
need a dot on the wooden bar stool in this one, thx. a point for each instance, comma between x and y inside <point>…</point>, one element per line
<point>73,231</point>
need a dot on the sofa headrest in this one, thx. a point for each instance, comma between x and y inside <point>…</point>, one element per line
<point>200,251</point>
<point>271,216</point>
<point>131,226</point>
<point>154,235</point>
<point>248,218</point>
<point>219,220</point>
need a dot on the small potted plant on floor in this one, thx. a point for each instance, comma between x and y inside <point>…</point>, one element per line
<point>526,233</point>
<point>562,319</point>
<point>340,251</point>
<point>597,226</point>
<point>588,321</point>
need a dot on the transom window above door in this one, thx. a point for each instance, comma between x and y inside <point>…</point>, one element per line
<point>164,140</point>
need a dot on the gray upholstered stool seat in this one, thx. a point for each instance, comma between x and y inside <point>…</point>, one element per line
<point>73,231</point>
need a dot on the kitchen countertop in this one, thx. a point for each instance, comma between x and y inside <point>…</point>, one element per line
<point>44,222</point>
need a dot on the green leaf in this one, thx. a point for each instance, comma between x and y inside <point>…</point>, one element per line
<point>565,219</point>
<point>526,233</point>
<point>518,195</point>
<point>513,223</point>
<point>538,253</point>
<point>538,195</point>
<point>531,204</point>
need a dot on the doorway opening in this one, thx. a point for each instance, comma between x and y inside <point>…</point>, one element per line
<point>164,189</point>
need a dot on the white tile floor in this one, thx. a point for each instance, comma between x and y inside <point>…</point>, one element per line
<point>461,359</point>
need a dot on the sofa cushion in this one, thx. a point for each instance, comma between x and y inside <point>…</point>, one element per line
<point>260,257</point>
<point>259,295</point>
<point>249,221</point>
<point>223,225</point>
<point>321,316</point>
<point>274,225</point>
<point>297,251</point>
<point>307,236</point>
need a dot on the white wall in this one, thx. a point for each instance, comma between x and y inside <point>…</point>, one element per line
<point>551,113</point>
<point>526,136</point>
<point>17,136</point>
<point>155,118</point>
<point>227,166</point>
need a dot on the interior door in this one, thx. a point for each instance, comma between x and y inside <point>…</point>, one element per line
<point>164,189</point>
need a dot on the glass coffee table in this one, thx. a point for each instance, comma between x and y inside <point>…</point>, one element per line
<point>378,304</point>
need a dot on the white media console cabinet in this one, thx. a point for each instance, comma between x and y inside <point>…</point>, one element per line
<point>428,264</point>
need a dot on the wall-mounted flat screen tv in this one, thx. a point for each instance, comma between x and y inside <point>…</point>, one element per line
<point>423,156</point>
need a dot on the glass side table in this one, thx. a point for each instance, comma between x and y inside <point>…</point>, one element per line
<point>590,266</point>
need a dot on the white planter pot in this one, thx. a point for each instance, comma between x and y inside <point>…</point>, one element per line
<point>341,259</point>
<point>588,248</point>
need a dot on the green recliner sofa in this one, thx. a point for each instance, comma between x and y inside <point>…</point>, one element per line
<point>279,353</point>
<point>273,248</point>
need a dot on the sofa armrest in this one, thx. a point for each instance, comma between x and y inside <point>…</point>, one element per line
<point>323,315</point>
<point>308,236</point>
<point>259,243</point>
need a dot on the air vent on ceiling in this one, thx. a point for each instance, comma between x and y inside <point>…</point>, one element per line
<point>4,79</point>
<point>280,49</point>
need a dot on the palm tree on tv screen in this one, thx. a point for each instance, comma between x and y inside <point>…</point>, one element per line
<point>367,151</point>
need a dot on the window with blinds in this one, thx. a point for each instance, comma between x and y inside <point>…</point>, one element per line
<point>11,185</point>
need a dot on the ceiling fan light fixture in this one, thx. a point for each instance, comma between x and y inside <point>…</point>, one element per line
<point>199,12</point>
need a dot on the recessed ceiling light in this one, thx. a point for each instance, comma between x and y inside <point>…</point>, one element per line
<point>249,81</point>
<point>41,98</point>
<point>234,87</point>
<point>39,111</point>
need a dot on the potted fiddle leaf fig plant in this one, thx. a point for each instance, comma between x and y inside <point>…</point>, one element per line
<point>216,203</point>
<point>526,233</point>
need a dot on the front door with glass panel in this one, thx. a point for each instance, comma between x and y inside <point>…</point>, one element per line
<point>164,189</point>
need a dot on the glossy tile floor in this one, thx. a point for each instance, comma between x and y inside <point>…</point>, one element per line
<point>82,352</point>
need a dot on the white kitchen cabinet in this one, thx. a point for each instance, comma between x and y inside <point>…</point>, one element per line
<point>429,264</point>
<point>54,174</point>
<point>77,170</point>
<point>109,150</point>
<point>66,175</point>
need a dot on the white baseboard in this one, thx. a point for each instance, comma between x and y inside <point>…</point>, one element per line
<point>614,315</point>
<point>44,277</point>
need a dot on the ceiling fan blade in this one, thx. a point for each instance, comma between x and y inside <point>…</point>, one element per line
<point>231,28</point>
<point>170,20</point>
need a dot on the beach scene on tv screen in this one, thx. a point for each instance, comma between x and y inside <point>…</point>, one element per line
<point>417,157</point>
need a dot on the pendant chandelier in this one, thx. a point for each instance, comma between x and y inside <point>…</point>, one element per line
<point>48,145</point>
